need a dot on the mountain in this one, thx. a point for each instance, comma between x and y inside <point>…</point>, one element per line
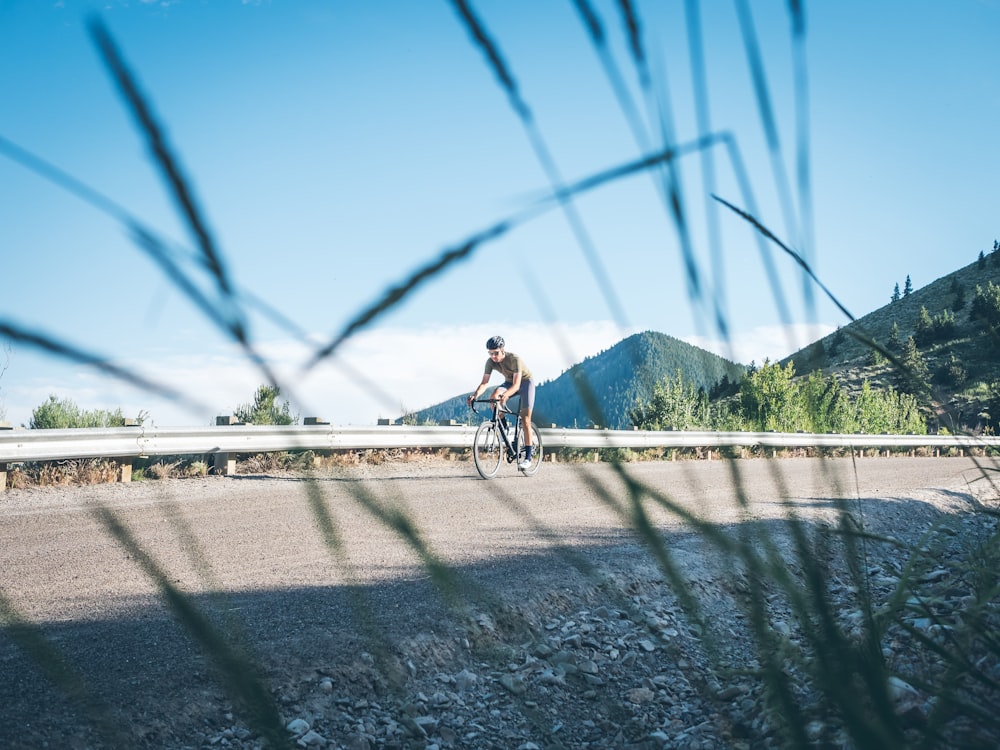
<point>961,355</point>
<point>616,377</point>
<point>626,372</point>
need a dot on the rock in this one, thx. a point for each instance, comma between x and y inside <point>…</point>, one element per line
<point>465,681</point>
<point>641,695</point>
<point>514,684</point>
<point>311,739</point>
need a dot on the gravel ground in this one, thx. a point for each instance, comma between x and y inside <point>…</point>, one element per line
<point>551,624</point>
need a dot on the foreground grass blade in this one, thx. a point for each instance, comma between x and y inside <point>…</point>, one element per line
<point>238,672</point>
<point>31,639</point>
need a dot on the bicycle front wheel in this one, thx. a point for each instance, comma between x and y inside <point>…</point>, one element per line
<point>536,459</point>
<point>487,450</point>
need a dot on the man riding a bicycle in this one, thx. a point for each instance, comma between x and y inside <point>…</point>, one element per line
<point>517,381</point>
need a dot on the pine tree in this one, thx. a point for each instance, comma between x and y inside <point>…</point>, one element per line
<point>895,293</point>
<point>907,287</point>
<point>894,344</point>
<point>924,332</point>
<point>915,374</point>
<point>959,291</point>
<point>986,304</point>
<point>265,408</point>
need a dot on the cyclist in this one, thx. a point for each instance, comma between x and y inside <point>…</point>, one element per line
<point>516,381</point>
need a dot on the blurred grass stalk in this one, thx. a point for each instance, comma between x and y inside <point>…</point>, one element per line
<point>825,672</point>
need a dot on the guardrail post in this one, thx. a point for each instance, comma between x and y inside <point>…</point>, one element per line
<point>3,466</point>
<point>224,463</point>
<point>124,473</point>
<point>314,421</point>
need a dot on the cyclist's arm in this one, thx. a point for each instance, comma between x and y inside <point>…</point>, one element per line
<point>479,388</point>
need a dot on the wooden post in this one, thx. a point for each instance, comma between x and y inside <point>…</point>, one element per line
<point>124,473</point>
<point>3,466</point>
<point>224,463</point>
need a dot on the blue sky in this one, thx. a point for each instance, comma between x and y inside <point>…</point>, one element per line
<point>336,147</point>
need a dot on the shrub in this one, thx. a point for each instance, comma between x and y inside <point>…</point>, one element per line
<point>265,408</point>
<point>57,413</point>
<point>163,470</point>
<point>985,305</point>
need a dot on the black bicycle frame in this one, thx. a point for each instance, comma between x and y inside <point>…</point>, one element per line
<point>499,412</point>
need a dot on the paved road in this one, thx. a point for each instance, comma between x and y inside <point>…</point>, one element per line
<point>255,551</point>
<point>248,533</point>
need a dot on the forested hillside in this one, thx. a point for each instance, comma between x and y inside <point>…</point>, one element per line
<point>616,378</point>
<point>945,336</point>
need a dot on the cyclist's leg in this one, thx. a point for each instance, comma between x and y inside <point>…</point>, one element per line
<point>527,398</point>
<point>497,393</point>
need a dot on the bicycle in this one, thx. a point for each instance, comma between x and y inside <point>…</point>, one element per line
<point>496,439</point>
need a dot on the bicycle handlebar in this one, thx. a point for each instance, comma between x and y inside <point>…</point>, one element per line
<point>502,407</point>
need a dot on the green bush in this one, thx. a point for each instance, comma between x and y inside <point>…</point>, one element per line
<point>265,408</point>
<point>57,413</point>
<point>986,304</point>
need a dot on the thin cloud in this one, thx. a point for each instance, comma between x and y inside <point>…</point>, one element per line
<point>380,373</point>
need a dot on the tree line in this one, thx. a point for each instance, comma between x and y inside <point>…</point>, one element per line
<point>771,398</point>
<point>64,413</point>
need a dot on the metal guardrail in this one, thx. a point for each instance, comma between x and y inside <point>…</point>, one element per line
<point>134,442</point>
<point>18,446</point>
<point>566,438</point>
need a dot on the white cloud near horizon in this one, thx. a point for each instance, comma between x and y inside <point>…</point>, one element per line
<point>380,373</point>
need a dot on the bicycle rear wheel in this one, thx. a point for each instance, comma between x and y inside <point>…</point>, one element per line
<point>487,450</point>
<point>536,459</point>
